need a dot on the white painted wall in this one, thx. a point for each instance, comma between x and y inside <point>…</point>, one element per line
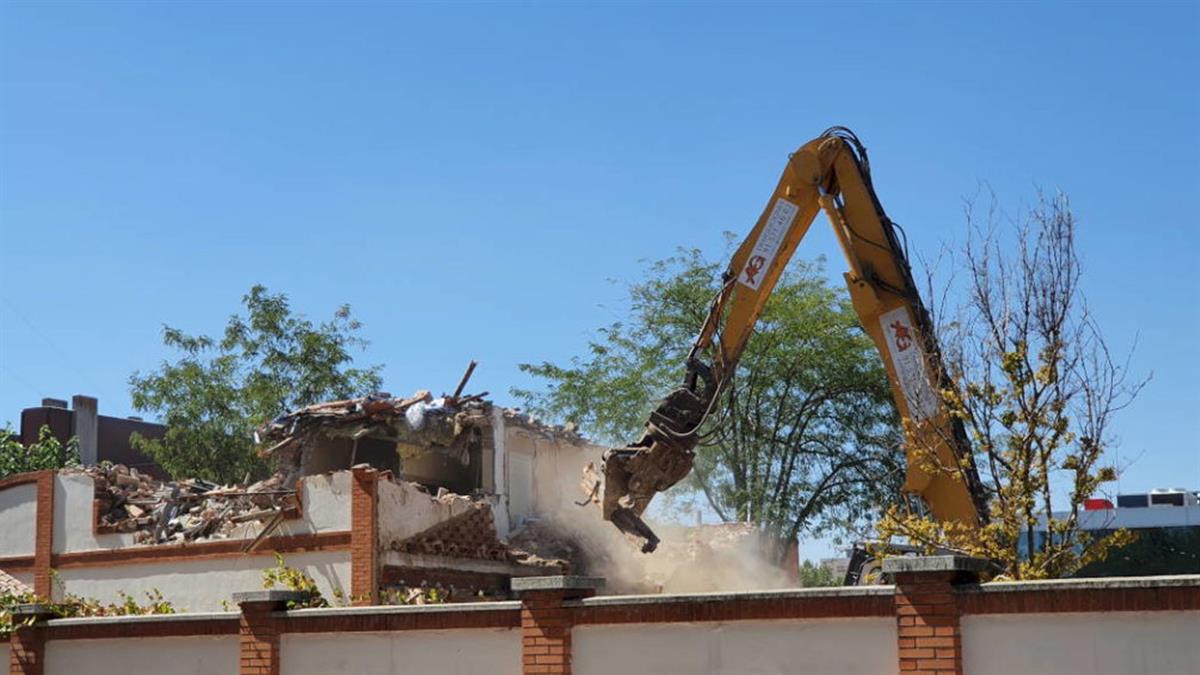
<point>217,655</point>
<point>404,511</point>
<point>453,652</point>
<point>1113,643</point>
<point>73,497</point>
<point>201,585</point>
<point>500,471</point>
<point>18,513</point>
<point>324,498</point>
<point>325,505</point>
<point>4,653</point>
<point>797,647</point>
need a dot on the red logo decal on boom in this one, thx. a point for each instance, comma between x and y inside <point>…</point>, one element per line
<point>753,267</point>
<point>902,335</point>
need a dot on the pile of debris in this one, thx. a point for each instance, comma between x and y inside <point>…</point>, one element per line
<point>158,512</point>
<point>420,419</point>
<point>548,545</point>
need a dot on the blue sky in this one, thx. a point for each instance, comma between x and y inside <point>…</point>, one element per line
<point>470,177</point>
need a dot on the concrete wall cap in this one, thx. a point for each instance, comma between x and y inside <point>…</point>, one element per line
<point>935,563</point>
<point>556,583</point>
<point>271,595</point>
<point>183,617</point>
<point>32,609</point>
<point>383,610</point>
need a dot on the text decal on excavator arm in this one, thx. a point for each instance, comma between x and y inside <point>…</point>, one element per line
<point>909,361</point>
<point>769,241</point>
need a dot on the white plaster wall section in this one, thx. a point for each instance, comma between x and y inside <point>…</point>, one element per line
<point>201,655</point>
<point>424,652</point>
<point>73,497</point>
<point>405,511</point>
<point>18,520</point>
<point>325,506</point>
<point>201,585</point>
<point>864,646</point>
<point>500,468</point>
<point>4,655</point>
<point>1112,643</point>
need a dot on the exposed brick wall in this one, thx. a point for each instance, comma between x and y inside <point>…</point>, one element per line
<point>545,634</point>
<point>44,537</point>
<point>27,652</point>
<point>927,620</point>
<point>927,607</point>
<point>143,629</point>
<point>997,600</point>
<point>734,608</point>
<point>364,537</point>
<point>258,636</point>
<point>19,479</point>
<point>201,550</point>
<point>387,621</point>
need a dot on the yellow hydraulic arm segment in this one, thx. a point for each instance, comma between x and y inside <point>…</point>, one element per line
<point>830,174</point>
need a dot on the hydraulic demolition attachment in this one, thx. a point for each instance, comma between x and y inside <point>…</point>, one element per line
<point>832,174</point>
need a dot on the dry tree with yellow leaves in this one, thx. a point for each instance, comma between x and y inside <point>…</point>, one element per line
<point>1034,383</point>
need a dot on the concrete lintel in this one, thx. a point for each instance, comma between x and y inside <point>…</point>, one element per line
<point>35,610</point>
<point>274,595</point>
<point>557,583</point>
<point>935,563</point>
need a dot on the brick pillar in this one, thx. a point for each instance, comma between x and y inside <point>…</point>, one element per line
<point>27,644</point>
<point>43,535</point>
<point>546,623</point>
<point>927,613</point>
<point>258,634</point>
<point>364,536</point>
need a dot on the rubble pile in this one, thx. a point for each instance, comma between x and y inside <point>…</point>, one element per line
<point>545,544</point>
<point>420,419</point>
<point>160,512</point>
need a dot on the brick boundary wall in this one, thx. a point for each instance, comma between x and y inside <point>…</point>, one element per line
<point>928,601</point>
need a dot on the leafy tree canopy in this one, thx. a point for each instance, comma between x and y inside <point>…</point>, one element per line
<point>217,391</point>
<point>806,437</point>
<point>47,453</point>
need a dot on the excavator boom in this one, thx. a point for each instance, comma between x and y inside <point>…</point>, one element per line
<point>832,174</point>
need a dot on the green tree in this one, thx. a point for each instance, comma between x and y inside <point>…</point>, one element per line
<point>813,575</point>
<point>267,362</point>
<point>46,453</point>
<point>805,439</point>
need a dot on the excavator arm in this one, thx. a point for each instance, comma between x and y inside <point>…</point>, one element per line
<point>831,174</point>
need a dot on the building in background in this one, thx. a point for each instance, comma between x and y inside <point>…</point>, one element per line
<point>101,438</point>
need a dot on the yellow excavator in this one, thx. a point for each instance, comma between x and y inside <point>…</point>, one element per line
<point>832,174</point>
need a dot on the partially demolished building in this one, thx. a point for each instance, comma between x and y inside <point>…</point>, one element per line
<point>378,499</point>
